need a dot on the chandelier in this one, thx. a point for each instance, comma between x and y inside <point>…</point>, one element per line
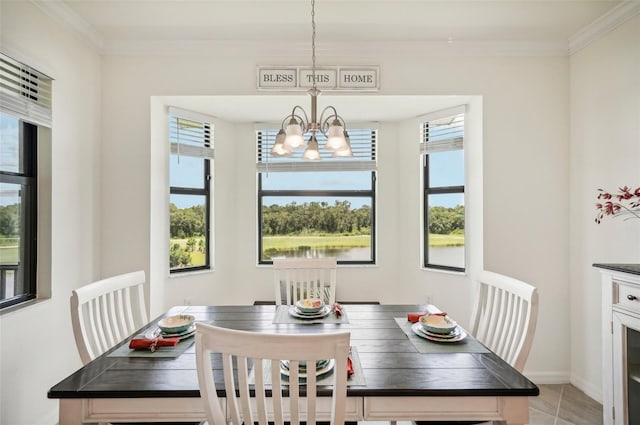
<point>296,125</point>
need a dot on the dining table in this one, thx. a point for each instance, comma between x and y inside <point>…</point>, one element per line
<point>400,375</point>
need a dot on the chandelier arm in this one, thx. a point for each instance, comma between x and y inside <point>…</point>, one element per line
<point>304,122</point>
<point>324,122</point>
<point>285,121</point>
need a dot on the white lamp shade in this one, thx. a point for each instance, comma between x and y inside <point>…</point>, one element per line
<point>294,135</point>
<point>335,137</point>
<point>312,150</point>
<point>280,150</point>
<point>346,150</point>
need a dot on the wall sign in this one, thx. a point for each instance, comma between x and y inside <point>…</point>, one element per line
<point>328,78</point>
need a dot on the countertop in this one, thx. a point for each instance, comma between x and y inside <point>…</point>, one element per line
<point>625,268</point>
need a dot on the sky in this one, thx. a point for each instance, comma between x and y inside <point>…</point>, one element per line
<point>8,157</point>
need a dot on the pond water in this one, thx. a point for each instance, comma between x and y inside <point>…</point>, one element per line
<point>344,254</point>
<point>447,256</point>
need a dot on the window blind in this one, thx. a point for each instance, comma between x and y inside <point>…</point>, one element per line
<point>24,92</point>
<point>363,146</point>
<point>442,134</point>
<point>190,134</point>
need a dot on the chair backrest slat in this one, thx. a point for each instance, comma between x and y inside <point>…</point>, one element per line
<point>505,316</point>
<point>105,312</point>
<point>291,399</point>
<point>299,278</point>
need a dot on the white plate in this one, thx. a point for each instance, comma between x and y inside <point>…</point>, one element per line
<point>455,333</point>
<point>293,311</point>
<point>303,375</point>
<point>182,335</point>
<point>320,364</point>
<point>417,329</point>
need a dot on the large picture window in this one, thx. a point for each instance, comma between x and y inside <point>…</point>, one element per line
<point>18,210</point>
<point>443,183</point>
<point>190,164</point>
<point>25,106</point>
<point>322,208</point>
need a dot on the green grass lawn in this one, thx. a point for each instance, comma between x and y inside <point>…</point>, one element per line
<point>340,241</point>
<point>9,253</point>
<point>284,243</point>
<point>446,240</point>
<point>337,241</point>
<point>197,257</point>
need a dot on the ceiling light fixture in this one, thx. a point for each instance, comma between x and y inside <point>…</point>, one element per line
<point>297,124</point>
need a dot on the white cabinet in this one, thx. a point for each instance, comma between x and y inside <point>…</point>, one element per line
<point>620,343</point>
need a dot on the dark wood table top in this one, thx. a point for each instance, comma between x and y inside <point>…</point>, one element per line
<point>391,364</point>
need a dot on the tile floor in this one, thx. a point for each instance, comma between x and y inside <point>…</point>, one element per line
<point>561,404</point>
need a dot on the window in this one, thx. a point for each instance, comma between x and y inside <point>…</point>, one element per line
<point>190,171</point>
<point>322,208</point>
<point>443,183</point>
<point>18,206</point>
<point>25,105</point>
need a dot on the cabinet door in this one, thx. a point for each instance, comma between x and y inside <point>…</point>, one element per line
<point>626,368</point>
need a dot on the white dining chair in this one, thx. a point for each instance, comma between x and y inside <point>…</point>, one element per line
<point>105,312</point>
<point>505,316</point>
<point>252,360</point>
<point>504,320</point>
<point>300,278</point>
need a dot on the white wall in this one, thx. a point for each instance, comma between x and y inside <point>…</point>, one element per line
<point>106,200</point>
<point>525,112</point>
<point>36,342</point>
<point>605,153</point>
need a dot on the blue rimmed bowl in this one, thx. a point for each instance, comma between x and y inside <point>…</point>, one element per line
<point>176,324</point>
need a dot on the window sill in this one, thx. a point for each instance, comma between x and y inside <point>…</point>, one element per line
<point>24,305</point>
<point>191,273</point>
<point>444,271</point>
<point>340,266</point>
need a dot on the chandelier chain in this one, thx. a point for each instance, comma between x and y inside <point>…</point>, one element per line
<point>313,42</point>
<point>298,123</point>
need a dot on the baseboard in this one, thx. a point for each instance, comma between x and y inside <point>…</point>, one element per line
<point>593,391</point>
<point>548,377</point>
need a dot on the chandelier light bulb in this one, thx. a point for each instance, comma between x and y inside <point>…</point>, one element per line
<point>312,152</point>
<point>346,150</point>
<point>294,139</point>
<point>279,148</point>
<point>335,137</point>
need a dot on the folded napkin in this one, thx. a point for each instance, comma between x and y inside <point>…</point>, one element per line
<point>415,317</point>
<point>152,344</point>
<point>350,370</point>
<point>337,309</point>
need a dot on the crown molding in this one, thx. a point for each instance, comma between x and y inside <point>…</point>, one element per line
<point>61,13</point>
<point>605,23</point>
<point>350,50</point>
